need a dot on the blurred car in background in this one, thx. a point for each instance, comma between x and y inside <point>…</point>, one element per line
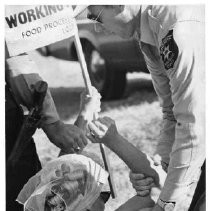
<point>108,57</point>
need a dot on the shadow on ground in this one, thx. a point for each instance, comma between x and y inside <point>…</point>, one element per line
<point>137,92</point>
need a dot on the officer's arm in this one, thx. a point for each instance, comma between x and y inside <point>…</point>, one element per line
<point>188,94</point>
<point>22,74</point>
<point>162,88</point>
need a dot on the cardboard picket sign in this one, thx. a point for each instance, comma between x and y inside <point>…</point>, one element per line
<point>28,27</point>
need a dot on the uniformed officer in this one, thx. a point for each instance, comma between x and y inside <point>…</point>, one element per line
<point>21,74</point>
<point>172,41</point>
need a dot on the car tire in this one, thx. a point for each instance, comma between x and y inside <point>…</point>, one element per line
<point>108,81</point>
<point>44,51</point>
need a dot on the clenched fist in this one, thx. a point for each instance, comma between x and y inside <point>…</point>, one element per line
<point>102,130</point>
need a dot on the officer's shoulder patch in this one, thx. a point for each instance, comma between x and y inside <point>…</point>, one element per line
<point>169,50</point>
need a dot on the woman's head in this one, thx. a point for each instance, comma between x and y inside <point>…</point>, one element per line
<point>70,182</point>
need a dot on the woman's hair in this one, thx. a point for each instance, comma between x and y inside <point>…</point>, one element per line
<point>71,182</point>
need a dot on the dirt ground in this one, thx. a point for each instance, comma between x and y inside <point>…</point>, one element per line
<point>137,115</point>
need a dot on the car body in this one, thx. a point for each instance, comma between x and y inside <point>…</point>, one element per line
<point>108,57</point>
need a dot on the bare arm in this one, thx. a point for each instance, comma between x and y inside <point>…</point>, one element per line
<point>105,131</point>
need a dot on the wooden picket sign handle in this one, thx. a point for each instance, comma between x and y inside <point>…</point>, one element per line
<point>82,62</point>
<point>87,81</point>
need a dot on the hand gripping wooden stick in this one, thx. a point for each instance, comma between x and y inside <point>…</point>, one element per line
<point>88,87</point>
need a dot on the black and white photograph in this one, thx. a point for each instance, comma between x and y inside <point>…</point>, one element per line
<point>105,106</point>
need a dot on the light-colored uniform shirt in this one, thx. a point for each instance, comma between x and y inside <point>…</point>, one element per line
<point>172,41</point>
<point>22,73</point>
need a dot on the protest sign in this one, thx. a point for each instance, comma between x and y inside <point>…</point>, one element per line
<point>28,27</point>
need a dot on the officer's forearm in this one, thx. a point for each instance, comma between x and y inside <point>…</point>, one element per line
<point>81,122</point>
<point>186,158</point>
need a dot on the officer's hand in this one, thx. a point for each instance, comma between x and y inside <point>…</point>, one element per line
<point>90,104</point>
<point>102,130</point>
<point>141,183</point>
<point>69,138</point>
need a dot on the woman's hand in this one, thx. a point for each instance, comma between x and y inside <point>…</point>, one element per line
<point>102,130</point>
